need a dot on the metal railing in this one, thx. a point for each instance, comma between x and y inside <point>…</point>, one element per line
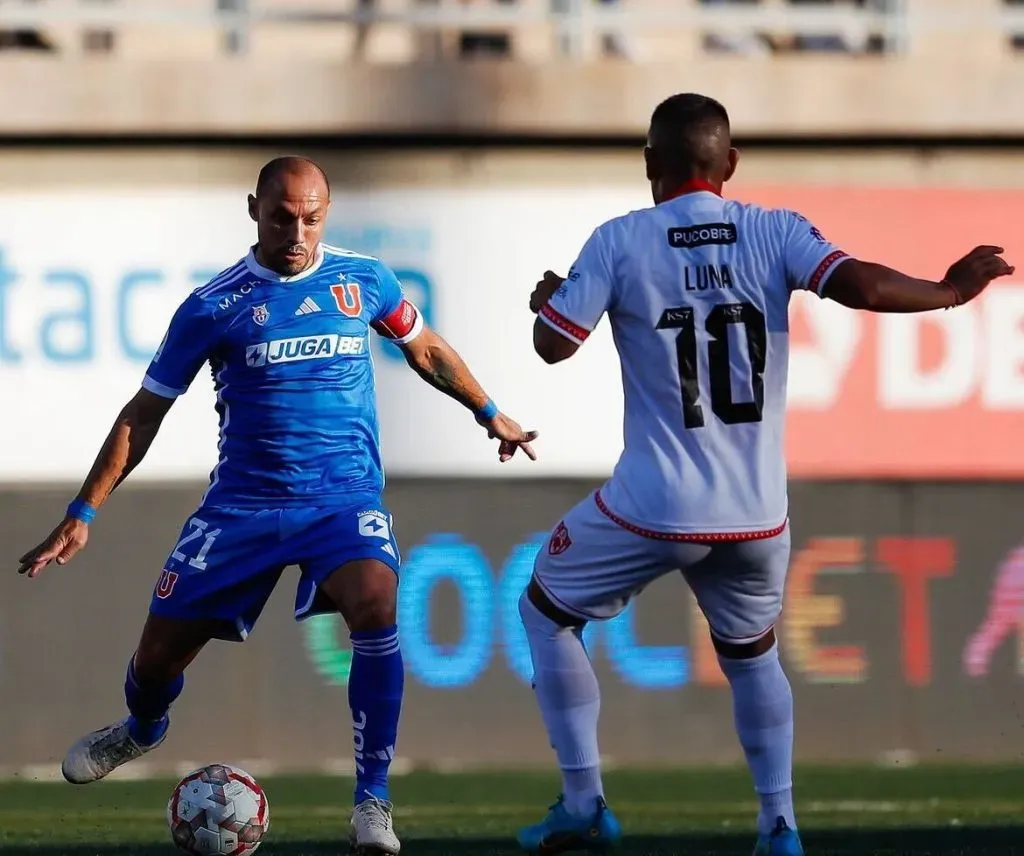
<point>898,22</point>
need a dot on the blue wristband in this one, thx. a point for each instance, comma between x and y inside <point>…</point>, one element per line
<point>81,510</point>
<point>488,411</point>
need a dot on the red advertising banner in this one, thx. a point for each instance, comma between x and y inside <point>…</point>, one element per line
<point>934,395</point>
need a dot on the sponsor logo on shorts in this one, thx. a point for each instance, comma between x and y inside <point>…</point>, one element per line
<point>705,234</point>
<point>304,348</point>
<point>165,585</point>
<point>374,524</point>
<point>560,540</point>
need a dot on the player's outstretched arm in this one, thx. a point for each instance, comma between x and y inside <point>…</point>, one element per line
<point>876,288</point>
<point>126,445</point>
<point>434,360</point>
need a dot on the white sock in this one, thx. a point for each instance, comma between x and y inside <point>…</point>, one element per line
<point>763,712</point>
<point>570,702</point>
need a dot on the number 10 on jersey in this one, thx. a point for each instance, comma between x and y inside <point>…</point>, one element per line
<point>720,318</point>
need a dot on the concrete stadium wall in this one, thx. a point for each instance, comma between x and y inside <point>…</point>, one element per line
<point>231,165</point>
<point>903,636</point>
<point>957,90</point>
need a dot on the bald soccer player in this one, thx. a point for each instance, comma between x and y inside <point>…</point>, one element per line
<point>299,480</point>
<point>697,290</point>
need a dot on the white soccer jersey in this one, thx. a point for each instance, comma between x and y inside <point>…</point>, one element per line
<point>697,291</point>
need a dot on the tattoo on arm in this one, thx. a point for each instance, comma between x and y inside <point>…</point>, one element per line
<point>441,367</point>
<point>444,377</point>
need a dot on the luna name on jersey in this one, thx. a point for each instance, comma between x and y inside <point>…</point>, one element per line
<point>704,277</point>
<point>707,277</point>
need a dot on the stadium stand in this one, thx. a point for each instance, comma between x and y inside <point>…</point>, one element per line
<point>388,30</point>
<point>582,66</point>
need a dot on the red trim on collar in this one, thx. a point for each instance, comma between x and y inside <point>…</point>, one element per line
<point>697,185</point>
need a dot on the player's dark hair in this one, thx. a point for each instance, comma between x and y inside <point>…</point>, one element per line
<point>274,169</point>
<point>690,134</point>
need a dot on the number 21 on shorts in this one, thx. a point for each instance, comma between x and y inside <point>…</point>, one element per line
<point>200,529</point>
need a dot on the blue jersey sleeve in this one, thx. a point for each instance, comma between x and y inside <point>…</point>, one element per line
<point>395,318</point>
<point>187,344</point>
<point>391,294</point>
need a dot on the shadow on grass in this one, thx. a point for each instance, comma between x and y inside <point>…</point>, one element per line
<point>952,841</point>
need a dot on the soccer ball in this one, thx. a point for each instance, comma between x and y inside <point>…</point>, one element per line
<point>218,811</point>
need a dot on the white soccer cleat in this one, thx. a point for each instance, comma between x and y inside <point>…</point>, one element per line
<point>98,754</point>
<point>371,832</point>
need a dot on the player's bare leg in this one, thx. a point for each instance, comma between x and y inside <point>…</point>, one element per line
<point>154,680</point>
<point>763,713</point>
<point>365,593</point>
<point>570,701</point>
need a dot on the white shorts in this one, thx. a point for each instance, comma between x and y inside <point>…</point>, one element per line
<point>591,567</point>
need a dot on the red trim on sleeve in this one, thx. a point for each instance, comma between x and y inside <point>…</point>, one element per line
<point>826,263</point>
<point>399,323</point>
<point>568,327</point>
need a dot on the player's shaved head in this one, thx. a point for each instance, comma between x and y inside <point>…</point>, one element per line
<point>290,209</point>
<point>690,138</point>
<point>289,166</point>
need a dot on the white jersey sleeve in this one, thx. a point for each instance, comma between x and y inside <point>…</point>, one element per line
<point>809,258</point>
<point>577,306</point>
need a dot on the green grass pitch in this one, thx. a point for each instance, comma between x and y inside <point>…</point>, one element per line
<point>917,811</point>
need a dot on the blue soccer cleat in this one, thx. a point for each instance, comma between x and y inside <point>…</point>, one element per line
<point>560,832</point>
<point>782,841</point>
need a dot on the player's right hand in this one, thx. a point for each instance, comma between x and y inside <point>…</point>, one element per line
<point>511,437</point>
<point>61,545</point>
<point>972,274</point>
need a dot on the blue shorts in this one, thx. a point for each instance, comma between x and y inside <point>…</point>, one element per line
<point>227,561</point>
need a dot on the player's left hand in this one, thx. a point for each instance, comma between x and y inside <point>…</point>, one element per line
<point>544,290</point>
<point>511,437</point>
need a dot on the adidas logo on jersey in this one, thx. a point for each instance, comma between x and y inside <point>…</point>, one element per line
<point>307,307</point>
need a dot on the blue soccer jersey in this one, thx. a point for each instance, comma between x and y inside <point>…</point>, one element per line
<point>293,375</point>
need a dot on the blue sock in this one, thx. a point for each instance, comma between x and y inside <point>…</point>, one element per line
<point>375,687</point>
<point>148,704</point>
<point>763,711</point>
